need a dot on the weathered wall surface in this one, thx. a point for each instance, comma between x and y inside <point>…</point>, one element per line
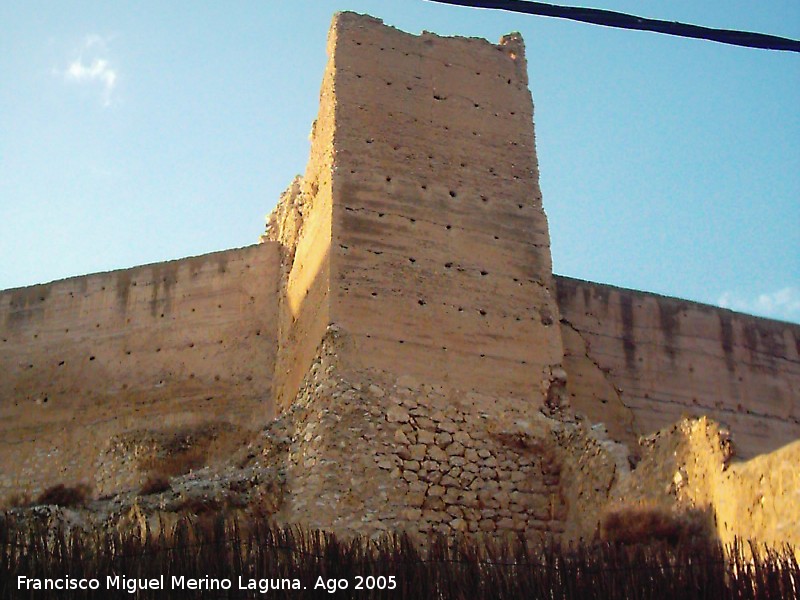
<point>302,223</point>
<point>382,453</point>
<point>759,498</point>
<point>156,347</point>
<point>440,261</point>
<point>688,466</point>
<point>639,362</point>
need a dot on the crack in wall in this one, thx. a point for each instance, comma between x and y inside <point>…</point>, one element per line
<point>631,423</point>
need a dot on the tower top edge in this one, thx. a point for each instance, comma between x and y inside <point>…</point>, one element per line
<point>344,19</point>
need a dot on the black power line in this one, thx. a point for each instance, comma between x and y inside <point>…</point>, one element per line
<point>610,18</point>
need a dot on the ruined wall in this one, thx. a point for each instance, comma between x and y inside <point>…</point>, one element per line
<point>688,466</point>
<point>440,261</point>
<point>302,223</point>
<point>418,335</point>
<point>162,346</point>
<point>758,498</point>
<point>377,453</point>
<point>639,362</point>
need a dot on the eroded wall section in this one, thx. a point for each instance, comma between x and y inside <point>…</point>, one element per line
<point>688,466</point>
<point>302,224</point>
<point>440,259</point>
<point>639,362</point>
<point>157,347</point>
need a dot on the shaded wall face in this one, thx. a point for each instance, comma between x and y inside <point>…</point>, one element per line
<point>155,347</point>
<point>639,362</point>
<point>440,256</point>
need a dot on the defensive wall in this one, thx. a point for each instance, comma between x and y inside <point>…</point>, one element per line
<point>169,346</point>
<point>399,321</point>
<point>639,362</point>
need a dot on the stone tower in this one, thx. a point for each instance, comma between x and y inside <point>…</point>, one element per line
<point>418,337</point>
<point>418,228</point>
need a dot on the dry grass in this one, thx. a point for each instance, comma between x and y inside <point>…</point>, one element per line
<point>175,463</point>
<point>646,523</point>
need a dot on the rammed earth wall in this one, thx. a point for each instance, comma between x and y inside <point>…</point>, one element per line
<point>640,362</point>
<point>163,346</point>
<point>422,233</point>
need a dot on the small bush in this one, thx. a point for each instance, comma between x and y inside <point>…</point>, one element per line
<point>647,523</point>
<point>177,463</point>
<point>240,486</point>
<point>155,484</point>
<point>62,495</point>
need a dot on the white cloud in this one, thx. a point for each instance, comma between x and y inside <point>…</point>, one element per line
<point>95,41</point>
<point>93,67</point>
<point>781,304</point>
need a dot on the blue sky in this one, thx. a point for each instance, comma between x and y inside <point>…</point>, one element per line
<point>139,132</point>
